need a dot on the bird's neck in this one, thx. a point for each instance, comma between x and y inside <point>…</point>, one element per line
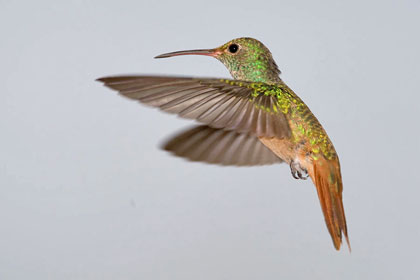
<point>256,71</point>
<point>256,76</point>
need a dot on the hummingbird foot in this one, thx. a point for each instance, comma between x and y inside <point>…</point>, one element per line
<point>297,171</point>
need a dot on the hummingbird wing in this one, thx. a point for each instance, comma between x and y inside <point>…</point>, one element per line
<point>220,103</point>
<point>218,146</point>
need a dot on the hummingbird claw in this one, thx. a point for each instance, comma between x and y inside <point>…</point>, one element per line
<point>297,171</point>
<point>294,175</point>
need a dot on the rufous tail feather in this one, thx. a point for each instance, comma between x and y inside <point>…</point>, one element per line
<point>326,176</point>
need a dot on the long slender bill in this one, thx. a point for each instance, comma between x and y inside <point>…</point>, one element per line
<point>208,52</point>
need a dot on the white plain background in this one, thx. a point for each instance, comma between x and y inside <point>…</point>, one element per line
<point>85,192</point>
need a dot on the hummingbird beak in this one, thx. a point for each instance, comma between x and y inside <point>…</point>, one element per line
<point>208,52</point>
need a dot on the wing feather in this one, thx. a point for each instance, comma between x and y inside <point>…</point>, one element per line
<point>227,104</point>
<point>218,146</point>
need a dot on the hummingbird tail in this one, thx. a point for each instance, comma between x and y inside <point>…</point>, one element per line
<point>326,176</point>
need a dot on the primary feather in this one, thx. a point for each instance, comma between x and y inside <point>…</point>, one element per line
<point>219,103</point>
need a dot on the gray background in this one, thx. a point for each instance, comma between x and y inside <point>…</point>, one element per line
<point>87,194</point>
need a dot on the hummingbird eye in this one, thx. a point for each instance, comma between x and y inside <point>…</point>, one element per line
<point>233,48</point>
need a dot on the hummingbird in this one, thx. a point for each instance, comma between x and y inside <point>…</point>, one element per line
<point>252,119</point>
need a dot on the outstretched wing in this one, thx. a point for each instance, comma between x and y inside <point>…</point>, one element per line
<point>218,146</point>
<point>232,105</point>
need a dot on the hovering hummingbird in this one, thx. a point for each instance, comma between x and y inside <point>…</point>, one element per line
<point>253,119</point>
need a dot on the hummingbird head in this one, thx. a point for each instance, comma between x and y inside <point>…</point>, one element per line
<point>246,58</point>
